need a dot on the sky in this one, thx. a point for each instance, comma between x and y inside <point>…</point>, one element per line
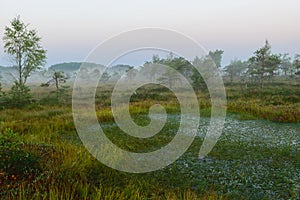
<point>70,29</point>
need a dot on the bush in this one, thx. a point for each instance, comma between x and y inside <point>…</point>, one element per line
<point>2,96</point>
<point>15,163</point>
<point>19,95</point>
<point>1,93</point>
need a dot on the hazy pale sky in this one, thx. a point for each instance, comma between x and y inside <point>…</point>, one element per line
<point>70,29</point>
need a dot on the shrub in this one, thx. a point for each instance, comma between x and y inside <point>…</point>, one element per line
<point>15,163</point>
<point>19,95</point>
<point>2,96</point>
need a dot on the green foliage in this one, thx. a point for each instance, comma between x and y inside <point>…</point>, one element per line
<point>296,64</point>
<point>257,171</point>
<point>197,80</point>
<point>172,77</point>
<point>105,77</point>
<point>3,98</point>
<point>131,72</point>
<point>263,63</point>
<point>57,79</point>
<point>203,64</point>
<point>235,69</point>
<point>9,139</point>
<point>1,92</point>
<point>216,56</point>
<point>169,77</point>
<point>16,164</point>
<point>49,162</point>
<point>19,95</point>
<point>286,65</point>
<point>23,45</point>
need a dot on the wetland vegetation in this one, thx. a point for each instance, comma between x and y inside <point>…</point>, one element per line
<point>256,157</point>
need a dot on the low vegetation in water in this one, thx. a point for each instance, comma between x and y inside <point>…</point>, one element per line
<point>254,159</point>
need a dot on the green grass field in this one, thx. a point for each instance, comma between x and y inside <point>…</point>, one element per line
<point>257,157</point>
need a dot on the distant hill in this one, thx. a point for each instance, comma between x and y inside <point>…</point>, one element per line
<point>7,69</point>
<point>120,69</point>
<point>72,66</point>
<point>9,74</point>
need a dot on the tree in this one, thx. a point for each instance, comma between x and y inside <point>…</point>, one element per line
<point>19,95</point>
<point>169,77</point>
<point>1,92</point>
<point>156,59</point>
<point>286,64</point>
<point>235,69</point>
<point>149,71</point>
<point>216,56</point>
<point>273,64</point>
<point>131,72</point>
<point>180,64</point>
<point>263,63</point>
<point>296,64</point>
<point>23,45</point>
<point>2,96</point>
<point>105,77</point>
<point>57,78</point>
<point>196,78</point>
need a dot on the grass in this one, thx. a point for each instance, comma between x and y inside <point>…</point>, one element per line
<point>278,101</point>
<point>68,170</point>
<point>241,166</point>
